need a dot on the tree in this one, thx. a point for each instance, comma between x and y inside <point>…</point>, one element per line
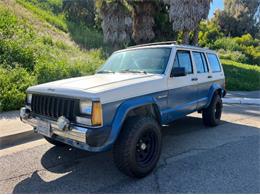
<point>186,15</point>
<point>239,17</point>
<point>143,20</point>
<point>80,11</point>
<point>116,21</point>
<point>209,33</point>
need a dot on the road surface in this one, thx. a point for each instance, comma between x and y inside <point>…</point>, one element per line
<point>195,159</point>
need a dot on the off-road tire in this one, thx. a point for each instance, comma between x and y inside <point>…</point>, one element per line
<point>212,114</point>
<point>128,151</point>
<point>54,142</point>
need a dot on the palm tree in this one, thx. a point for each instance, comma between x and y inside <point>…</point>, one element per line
<point>143,20</point>
<point>203,7</point>
<point>185,16</point>
<point>116,22</point>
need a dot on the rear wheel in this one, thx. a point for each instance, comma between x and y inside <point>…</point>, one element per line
<point>138,146</point>
<point>212,114</point>
<point>54,142</point>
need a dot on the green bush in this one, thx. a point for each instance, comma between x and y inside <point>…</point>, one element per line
<point>29,58</point>
<point>251,53</point>
<point>8,23</point>
<point>209,33</point>
<point>227,44</point>
<point>236,56</point>
<point>13,84</point>
<point>14,54</point>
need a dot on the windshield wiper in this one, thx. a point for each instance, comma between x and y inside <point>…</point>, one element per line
<point>105,71</point>
<point>134,71</point>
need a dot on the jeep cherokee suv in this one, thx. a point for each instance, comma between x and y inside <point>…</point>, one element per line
<point>124,105</point>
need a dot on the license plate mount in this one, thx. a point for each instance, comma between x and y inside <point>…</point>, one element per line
<point>44,128</point>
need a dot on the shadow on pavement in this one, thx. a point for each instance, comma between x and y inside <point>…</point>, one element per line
<point>71,170</point>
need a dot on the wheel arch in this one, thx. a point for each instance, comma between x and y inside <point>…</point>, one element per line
<point>215,89</point>
<point>137,106</point>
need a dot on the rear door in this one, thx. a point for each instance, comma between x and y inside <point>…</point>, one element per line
<point>183,91</point>
<point>203,75</point>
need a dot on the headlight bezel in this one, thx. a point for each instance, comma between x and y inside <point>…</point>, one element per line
<point>90,112</point>
<point>28,98</point>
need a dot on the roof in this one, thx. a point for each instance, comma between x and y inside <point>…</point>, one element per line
<point>169,44</point>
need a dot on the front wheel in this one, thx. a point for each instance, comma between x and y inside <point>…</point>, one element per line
<point>138,146</point>
<point>212,114</point>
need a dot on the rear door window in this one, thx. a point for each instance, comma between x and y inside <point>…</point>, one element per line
<point>213,62</point>
<point>183,59</point>
<point>200,62</point>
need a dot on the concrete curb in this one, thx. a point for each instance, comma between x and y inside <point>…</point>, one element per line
<point>248,101</point>
<point>18,138</point>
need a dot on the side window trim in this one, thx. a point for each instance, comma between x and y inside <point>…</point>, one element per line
<point>205,62</point>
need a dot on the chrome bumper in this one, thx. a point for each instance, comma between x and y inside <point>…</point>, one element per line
<point>74,133</point>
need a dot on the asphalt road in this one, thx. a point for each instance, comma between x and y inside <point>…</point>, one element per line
<point>195,159</point>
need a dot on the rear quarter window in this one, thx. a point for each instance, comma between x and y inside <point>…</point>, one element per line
<point>213,62</point>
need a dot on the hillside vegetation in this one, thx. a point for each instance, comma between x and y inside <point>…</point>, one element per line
<point>39,44</point>
<point>34,52</point>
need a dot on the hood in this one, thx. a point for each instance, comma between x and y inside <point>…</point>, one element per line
<point>92,86</point>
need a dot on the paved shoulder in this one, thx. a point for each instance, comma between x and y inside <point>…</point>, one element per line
<point>195,159</point>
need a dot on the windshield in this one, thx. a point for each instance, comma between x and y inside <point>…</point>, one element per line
<point>148,60</point>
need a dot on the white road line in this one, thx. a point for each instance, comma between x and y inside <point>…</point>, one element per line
<point>21,147</point>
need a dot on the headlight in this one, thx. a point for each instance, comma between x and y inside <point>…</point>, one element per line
<point>94,109</point>
<point>29,98</point>
<point>86,107</point>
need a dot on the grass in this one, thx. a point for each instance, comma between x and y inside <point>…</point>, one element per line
<point>30,57</point>
<point>85,37</point>
<point>240,76</point>
<point>55,20</point>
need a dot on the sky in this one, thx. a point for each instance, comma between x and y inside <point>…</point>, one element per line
<point>216,4</point>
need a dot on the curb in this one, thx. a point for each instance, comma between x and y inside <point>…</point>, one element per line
<point>17,139</point>
<point>246,101</point>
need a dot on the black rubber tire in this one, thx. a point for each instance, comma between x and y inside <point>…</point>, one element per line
<point>54,142</point>
<point>212,114</point>
<point>126,147</point>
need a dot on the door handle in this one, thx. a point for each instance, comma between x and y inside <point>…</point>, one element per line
<point>194,79</point>
<point>210,77</point>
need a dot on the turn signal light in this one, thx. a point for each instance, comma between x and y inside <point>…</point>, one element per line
<point>96,118</point>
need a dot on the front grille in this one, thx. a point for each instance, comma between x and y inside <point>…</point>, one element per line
<point>54,107</point>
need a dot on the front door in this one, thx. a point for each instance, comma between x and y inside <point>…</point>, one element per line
<point>183,91</point>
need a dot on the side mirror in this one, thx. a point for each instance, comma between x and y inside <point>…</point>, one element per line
<point>178,72</point>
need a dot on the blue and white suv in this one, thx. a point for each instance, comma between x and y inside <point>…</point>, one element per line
<point>124,105</point>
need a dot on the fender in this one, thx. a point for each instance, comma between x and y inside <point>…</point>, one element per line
<point>121,114</point>
<point>214,87</point>
<point>125,107</point>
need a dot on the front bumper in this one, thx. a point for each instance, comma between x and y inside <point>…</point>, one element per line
<point>74,133</point>
<point>81,137</point>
